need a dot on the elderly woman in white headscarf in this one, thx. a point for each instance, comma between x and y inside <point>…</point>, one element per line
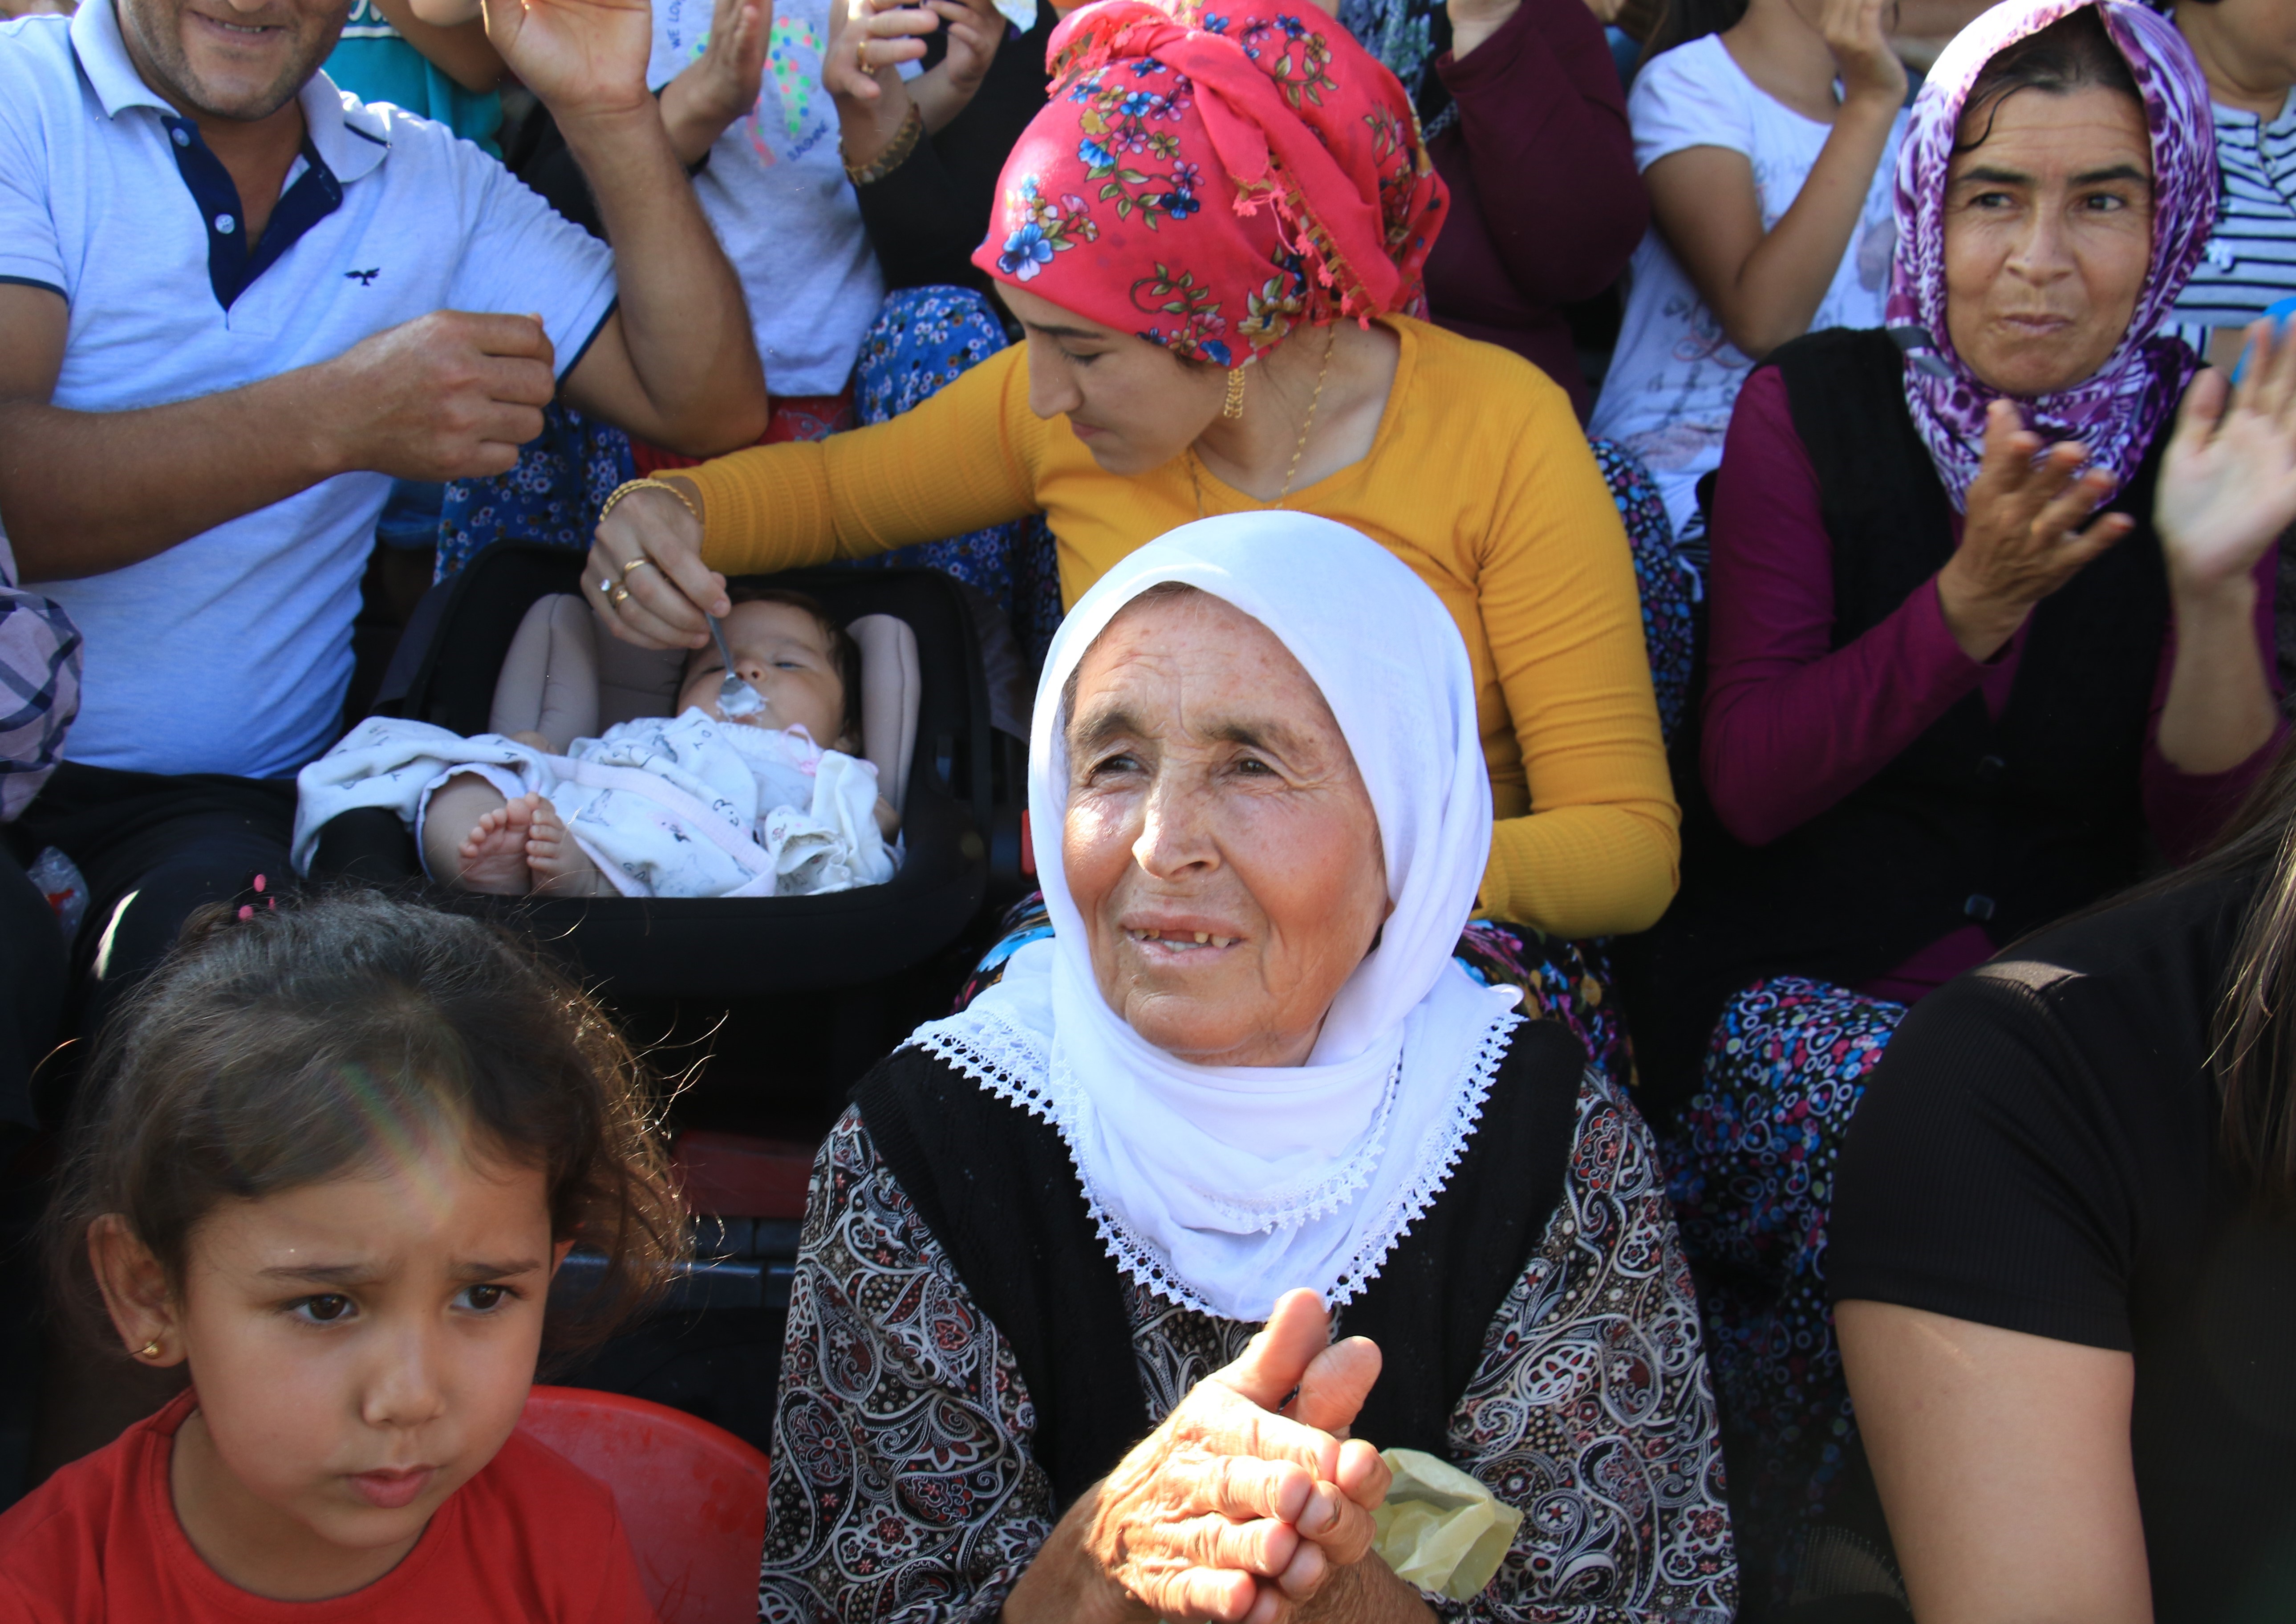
<point>1060,1342</point>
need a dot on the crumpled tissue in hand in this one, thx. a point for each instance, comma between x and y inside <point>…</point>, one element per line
<point>1440,1529</point>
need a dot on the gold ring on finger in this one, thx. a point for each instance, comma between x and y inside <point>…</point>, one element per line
<point>621,596</point>
<point>861,55</point>
<point>635,563</point>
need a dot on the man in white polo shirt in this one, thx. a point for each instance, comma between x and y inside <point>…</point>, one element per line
<point>234,304</point>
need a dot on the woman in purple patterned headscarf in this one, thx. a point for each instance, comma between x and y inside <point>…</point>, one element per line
<point>1982,627</point>
<point>2116,408</point>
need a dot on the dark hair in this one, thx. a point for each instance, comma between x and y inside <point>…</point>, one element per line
<point>277,1051</point>
<point>842,649</point>
<point>2072,53</point>
<point>1683,21</point>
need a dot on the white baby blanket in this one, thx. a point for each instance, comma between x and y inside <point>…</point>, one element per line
<point>682,806</point>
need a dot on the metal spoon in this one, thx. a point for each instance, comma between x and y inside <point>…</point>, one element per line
<point>736,697</point>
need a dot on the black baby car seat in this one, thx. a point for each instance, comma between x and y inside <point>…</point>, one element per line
<point>960,807</point>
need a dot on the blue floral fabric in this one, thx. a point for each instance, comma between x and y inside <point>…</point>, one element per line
<point>924,339</point>
<point>1750,1173</point>
<point>552,496</point>
<point>1667,585</point>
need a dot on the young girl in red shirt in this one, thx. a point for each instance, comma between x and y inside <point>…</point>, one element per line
<point>329,1159</point>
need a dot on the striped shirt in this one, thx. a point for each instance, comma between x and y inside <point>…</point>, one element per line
<point>2250,261</point>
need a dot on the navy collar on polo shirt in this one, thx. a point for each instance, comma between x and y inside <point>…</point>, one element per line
<point>339,148</point>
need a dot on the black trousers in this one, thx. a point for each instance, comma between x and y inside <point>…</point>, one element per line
<point>154,847</point>
<point>33,978</point>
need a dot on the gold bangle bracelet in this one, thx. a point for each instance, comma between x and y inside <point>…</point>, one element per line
<point>627,485</point>
<point>895,154</point>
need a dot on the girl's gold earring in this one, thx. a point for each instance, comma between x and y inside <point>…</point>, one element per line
<point>1233,406</point>
<point>149,1350</point>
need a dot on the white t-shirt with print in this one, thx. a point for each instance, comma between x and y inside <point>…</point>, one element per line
<point>1674,376</point>
<point>775,192</point>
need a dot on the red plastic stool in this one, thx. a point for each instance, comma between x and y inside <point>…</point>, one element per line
<point>691,1495</point>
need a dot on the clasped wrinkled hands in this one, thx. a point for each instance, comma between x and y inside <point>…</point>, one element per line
<point>1251,1496</point>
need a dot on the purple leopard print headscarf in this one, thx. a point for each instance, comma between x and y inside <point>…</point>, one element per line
<point>2115,410</point>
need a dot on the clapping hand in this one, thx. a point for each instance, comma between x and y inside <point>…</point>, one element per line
<point>870,39</point>
<point>2019,543</point>
<point>740,32</point>
<point>2227,485</point>
<point>584,58</point>
<point>975,29</point>
<point>721,84</point>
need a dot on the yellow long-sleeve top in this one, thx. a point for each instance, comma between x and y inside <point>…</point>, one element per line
<point>1479,478</point>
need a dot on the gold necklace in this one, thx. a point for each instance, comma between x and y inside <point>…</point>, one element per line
<point>1307,427</point>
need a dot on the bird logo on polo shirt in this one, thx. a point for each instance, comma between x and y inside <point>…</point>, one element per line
<point>365,279</point>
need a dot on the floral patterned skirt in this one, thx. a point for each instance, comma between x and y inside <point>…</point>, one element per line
<point>1667,585</point>
<point>1750,1173</point>
<point>1568,981</point>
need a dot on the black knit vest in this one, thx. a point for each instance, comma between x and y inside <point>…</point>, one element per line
<point>996,1188</point>
<point>2005,823</point>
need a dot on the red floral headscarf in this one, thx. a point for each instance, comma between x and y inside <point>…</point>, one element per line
<point>1224,177</point>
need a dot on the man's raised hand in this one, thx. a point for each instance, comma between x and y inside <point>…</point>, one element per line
<point>584,58</point>
<point>449,395</point>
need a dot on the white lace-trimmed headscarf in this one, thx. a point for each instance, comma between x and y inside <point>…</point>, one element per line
<point>1221,1188</point>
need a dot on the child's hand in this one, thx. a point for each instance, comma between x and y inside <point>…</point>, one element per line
<point>722,84</point>
<point>1857,32</point>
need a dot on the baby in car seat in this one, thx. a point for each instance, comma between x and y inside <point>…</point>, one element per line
<point>803,665</point>
<point>509,816</point>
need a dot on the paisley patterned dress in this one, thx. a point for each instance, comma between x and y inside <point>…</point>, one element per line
<point>904,1486</point>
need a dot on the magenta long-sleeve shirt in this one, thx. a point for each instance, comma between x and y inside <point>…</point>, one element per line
<point>1791,725</point>
<point>1547,205</point>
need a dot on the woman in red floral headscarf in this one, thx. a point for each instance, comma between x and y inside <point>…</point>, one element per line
<point>1212,237</point>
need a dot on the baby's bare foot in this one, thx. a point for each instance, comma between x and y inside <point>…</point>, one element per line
<point>558,867</point>
<point>493,855</point>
